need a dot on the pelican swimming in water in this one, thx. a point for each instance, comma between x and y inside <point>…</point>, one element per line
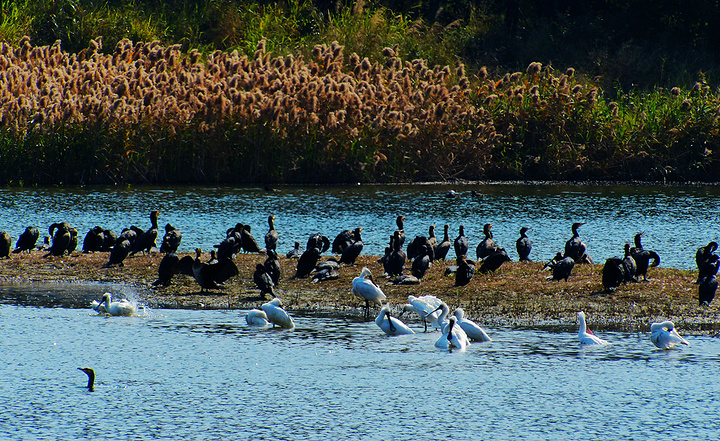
<point>276,314</point>
<point>91,377</point>
<point>257,317</point>
<point>585,335</point>
<point>472,329</point>
<point>391,325</point>
<point>453,336</point>
<point>118,308</point>
<point>366,289</point>
<point>665,336</point>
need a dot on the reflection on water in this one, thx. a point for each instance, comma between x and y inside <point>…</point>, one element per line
<point>205,374</point>
<point>676,220</point>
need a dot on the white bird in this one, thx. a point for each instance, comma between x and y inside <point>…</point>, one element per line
<point>472,329</point>
<point>122,308</point>
<point>453,337</point>
<point>366,289</point>
<point>276,314</point>
<point>256,317</point>
<point>426,308</point>
<point>391,325</point>
<point>585,335</point>
<point>664,336</point>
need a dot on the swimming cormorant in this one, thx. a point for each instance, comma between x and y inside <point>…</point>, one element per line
<point>91,378</point>
<point>171,239</point>
<point>524,245</point>
<point>271,237</point>
<point>461,243</point>
<point>443,247</point>
<point>27,240</point>
<point>487,246</point>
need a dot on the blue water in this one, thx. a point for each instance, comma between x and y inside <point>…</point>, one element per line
<point>180,374</point>
<point>676,220</point>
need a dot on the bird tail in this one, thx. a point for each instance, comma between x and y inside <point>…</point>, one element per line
<point>655,257</point>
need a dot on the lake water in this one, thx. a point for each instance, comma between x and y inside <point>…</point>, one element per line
<point>181,374</point>
<point>676,220</point>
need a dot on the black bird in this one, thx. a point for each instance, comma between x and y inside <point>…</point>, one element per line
<point>119,252</point>
<point>146,240</point>
<point>629,265</point>
<point>73,240</point>
<point>170,265</point>
<point>317,244</point>
<point>212,276</point>
<point>397,257</point>
<point>494,261</point>
<point>415,248</point>
<point>327,270</point>
<point>272,267</point>
<point>561,267</point>
<point>61,238</point>
<point>642,257</point>
<point>232,243</point>
<point>109,239</point>
<point>295,252</point>
<point>443,247</point>
<point>406,279</point>
<point>249,244</point>
<point>130,234</point>
<point>351,252</point>
<point>271,237</point>
<point>318,241</point>
<point>432,239</point>
<point>94,240</point>
<point>461,243</point>
<point>27,240</point>
<point>465,271</point>
<point>487,246</point>
<point>613,274</point>
<point>5,244</point>
<point>171,239</point>
<point>342,241</point>
<point>399,221</point>
<point>575,248</point>
<point>709,267</point>
<point>703,254</point>
<point>263,281</point>
<point>422,261</point>
<point>707,289</point>
<point>91,378</point>
<point>524,245</point>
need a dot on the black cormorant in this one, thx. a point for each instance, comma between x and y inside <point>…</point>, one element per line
<point>171,239</point>
<point>146,240</point>
<point>397,257</point>
<point>61,238</point>
<point>172,264</point>
<point>249,244</point>
<point>461,243</point>
<point>575,248</point>
<point>443,247</point>
<point>352,251</point>
<point>5,245</point>
<point>561,267</point>
<point>94,240</point>
<point>642,257</point>
<point>422,261</point>
<point>295,252</point>
<point>271,237</point>
<point>263,281</point>
<point>613,273</point>
<point>212,276</point>
<point>487,246</point>
<point>465,271</point>
<point>494,261</point>
<point>91,378</point>
<point>400,222</point>
<point>119,252</point>
<point>272,267</point>
<point>27,240</point>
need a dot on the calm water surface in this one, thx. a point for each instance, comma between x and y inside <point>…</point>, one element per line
<point>676,220</point>
<point>180,374</point>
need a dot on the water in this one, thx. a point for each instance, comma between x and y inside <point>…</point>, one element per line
<point>181,374</point>
<point>676,220</point>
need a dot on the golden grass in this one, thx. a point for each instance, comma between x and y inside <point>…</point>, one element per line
<point>516,295</point>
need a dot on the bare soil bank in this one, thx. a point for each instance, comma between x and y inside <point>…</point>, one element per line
<point>518,294</point>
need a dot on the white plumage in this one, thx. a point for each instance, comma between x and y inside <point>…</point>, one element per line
<point>391,325</point>
<point>120,308</point>
<point>426,308</point>
<point>367,290</point>
<point>276,314</point>
<point>585,335</point>
<point>472,329</point>
<point>256,317</point>
<point>453,337</point>
<point>664,336</point>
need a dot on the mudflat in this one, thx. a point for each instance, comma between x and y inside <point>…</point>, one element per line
<point>518,294</point>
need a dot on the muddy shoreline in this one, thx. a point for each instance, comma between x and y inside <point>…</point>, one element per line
<point>517,295</point>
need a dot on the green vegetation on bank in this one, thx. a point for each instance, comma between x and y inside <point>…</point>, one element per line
<point>302,92</point>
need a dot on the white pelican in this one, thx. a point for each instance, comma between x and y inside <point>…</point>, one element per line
<point>391,325</point>
<point>453,337</point>
<point>107,306</point>
<point>585,335</point>
<point>664,336</point>
<point>473,331</point>
<point>257,317</point>
<point>276,314</point>
<point>366,289</point>
<point>426,309</point>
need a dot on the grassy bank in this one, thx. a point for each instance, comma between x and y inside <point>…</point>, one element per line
<point>516,295</point>
<point>293,92</point>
